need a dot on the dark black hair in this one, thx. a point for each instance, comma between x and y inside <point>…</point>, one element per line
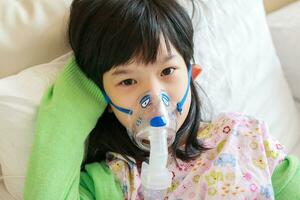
<point>106,33</point>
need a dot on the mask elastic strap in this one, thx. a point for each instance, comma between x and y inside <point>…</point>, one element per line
<point>181,103</point>
<point>126,111</point>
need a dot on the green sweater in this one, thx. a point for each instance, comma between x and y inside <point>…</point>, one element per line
<point>68,112</point>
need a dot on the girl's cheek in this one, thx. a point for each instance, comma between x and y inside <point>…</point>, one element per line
<point>122,118</point>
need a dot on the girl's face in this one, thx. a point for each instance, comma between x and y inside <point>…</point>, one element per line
<point>124,84</point>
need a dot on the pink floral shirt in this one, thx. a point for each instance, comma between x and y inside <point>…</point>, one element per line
<point>239,165</point>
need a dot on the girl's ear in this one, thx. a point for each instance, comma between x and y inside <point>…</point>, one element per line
<point>196,71</point>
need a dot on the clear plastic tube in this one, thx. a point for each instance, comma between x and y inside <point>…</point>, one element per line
<point>156,178</point>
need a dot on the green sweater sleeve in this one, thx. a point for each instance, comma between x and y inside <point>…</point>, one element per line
<point>98,182</point>
<point>68,112</point>
<point>286,179</point>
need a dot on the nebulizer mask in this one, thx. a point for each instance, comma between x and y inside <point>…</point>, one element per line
<point>153,128</point>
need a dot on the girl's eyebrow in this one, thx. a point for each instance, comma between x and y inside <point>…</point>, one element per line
<point>128,71</point>
<point>121,72</point>
<point>169,57</point>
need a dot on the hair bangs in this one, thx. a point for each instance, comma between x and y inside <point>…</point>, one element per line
<point>116,33</point>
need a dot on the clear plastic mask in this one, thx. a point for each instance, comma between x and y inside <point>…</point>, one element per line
<point>153,112</point>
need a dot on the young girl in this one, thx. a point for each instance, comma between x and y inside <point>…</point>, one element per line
<point>124,49</point>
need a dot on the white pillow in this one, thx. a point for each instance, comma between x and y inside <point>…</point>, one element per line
<point>241,69</point>
<point>4,195</point>
<point>285,29</point>
<point>19,100</point>
<point>31,33</point>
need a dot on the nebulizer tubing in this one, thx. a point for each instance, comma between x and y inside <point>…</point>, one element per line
<point>156,178</point>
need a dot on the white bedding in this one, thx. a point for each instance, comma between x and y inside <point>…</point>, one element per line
<point>4,195</point>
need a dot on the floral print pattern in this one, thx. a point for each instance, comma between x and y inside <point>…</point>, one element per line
<point>239,165</point>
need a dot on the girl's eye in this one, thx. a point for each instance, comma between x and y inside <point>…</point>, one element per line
<point>127,82</point>
<point>168,71</point>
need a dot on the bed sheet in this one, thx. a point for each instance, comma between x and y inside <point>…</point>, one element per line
<point>4,195</point>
